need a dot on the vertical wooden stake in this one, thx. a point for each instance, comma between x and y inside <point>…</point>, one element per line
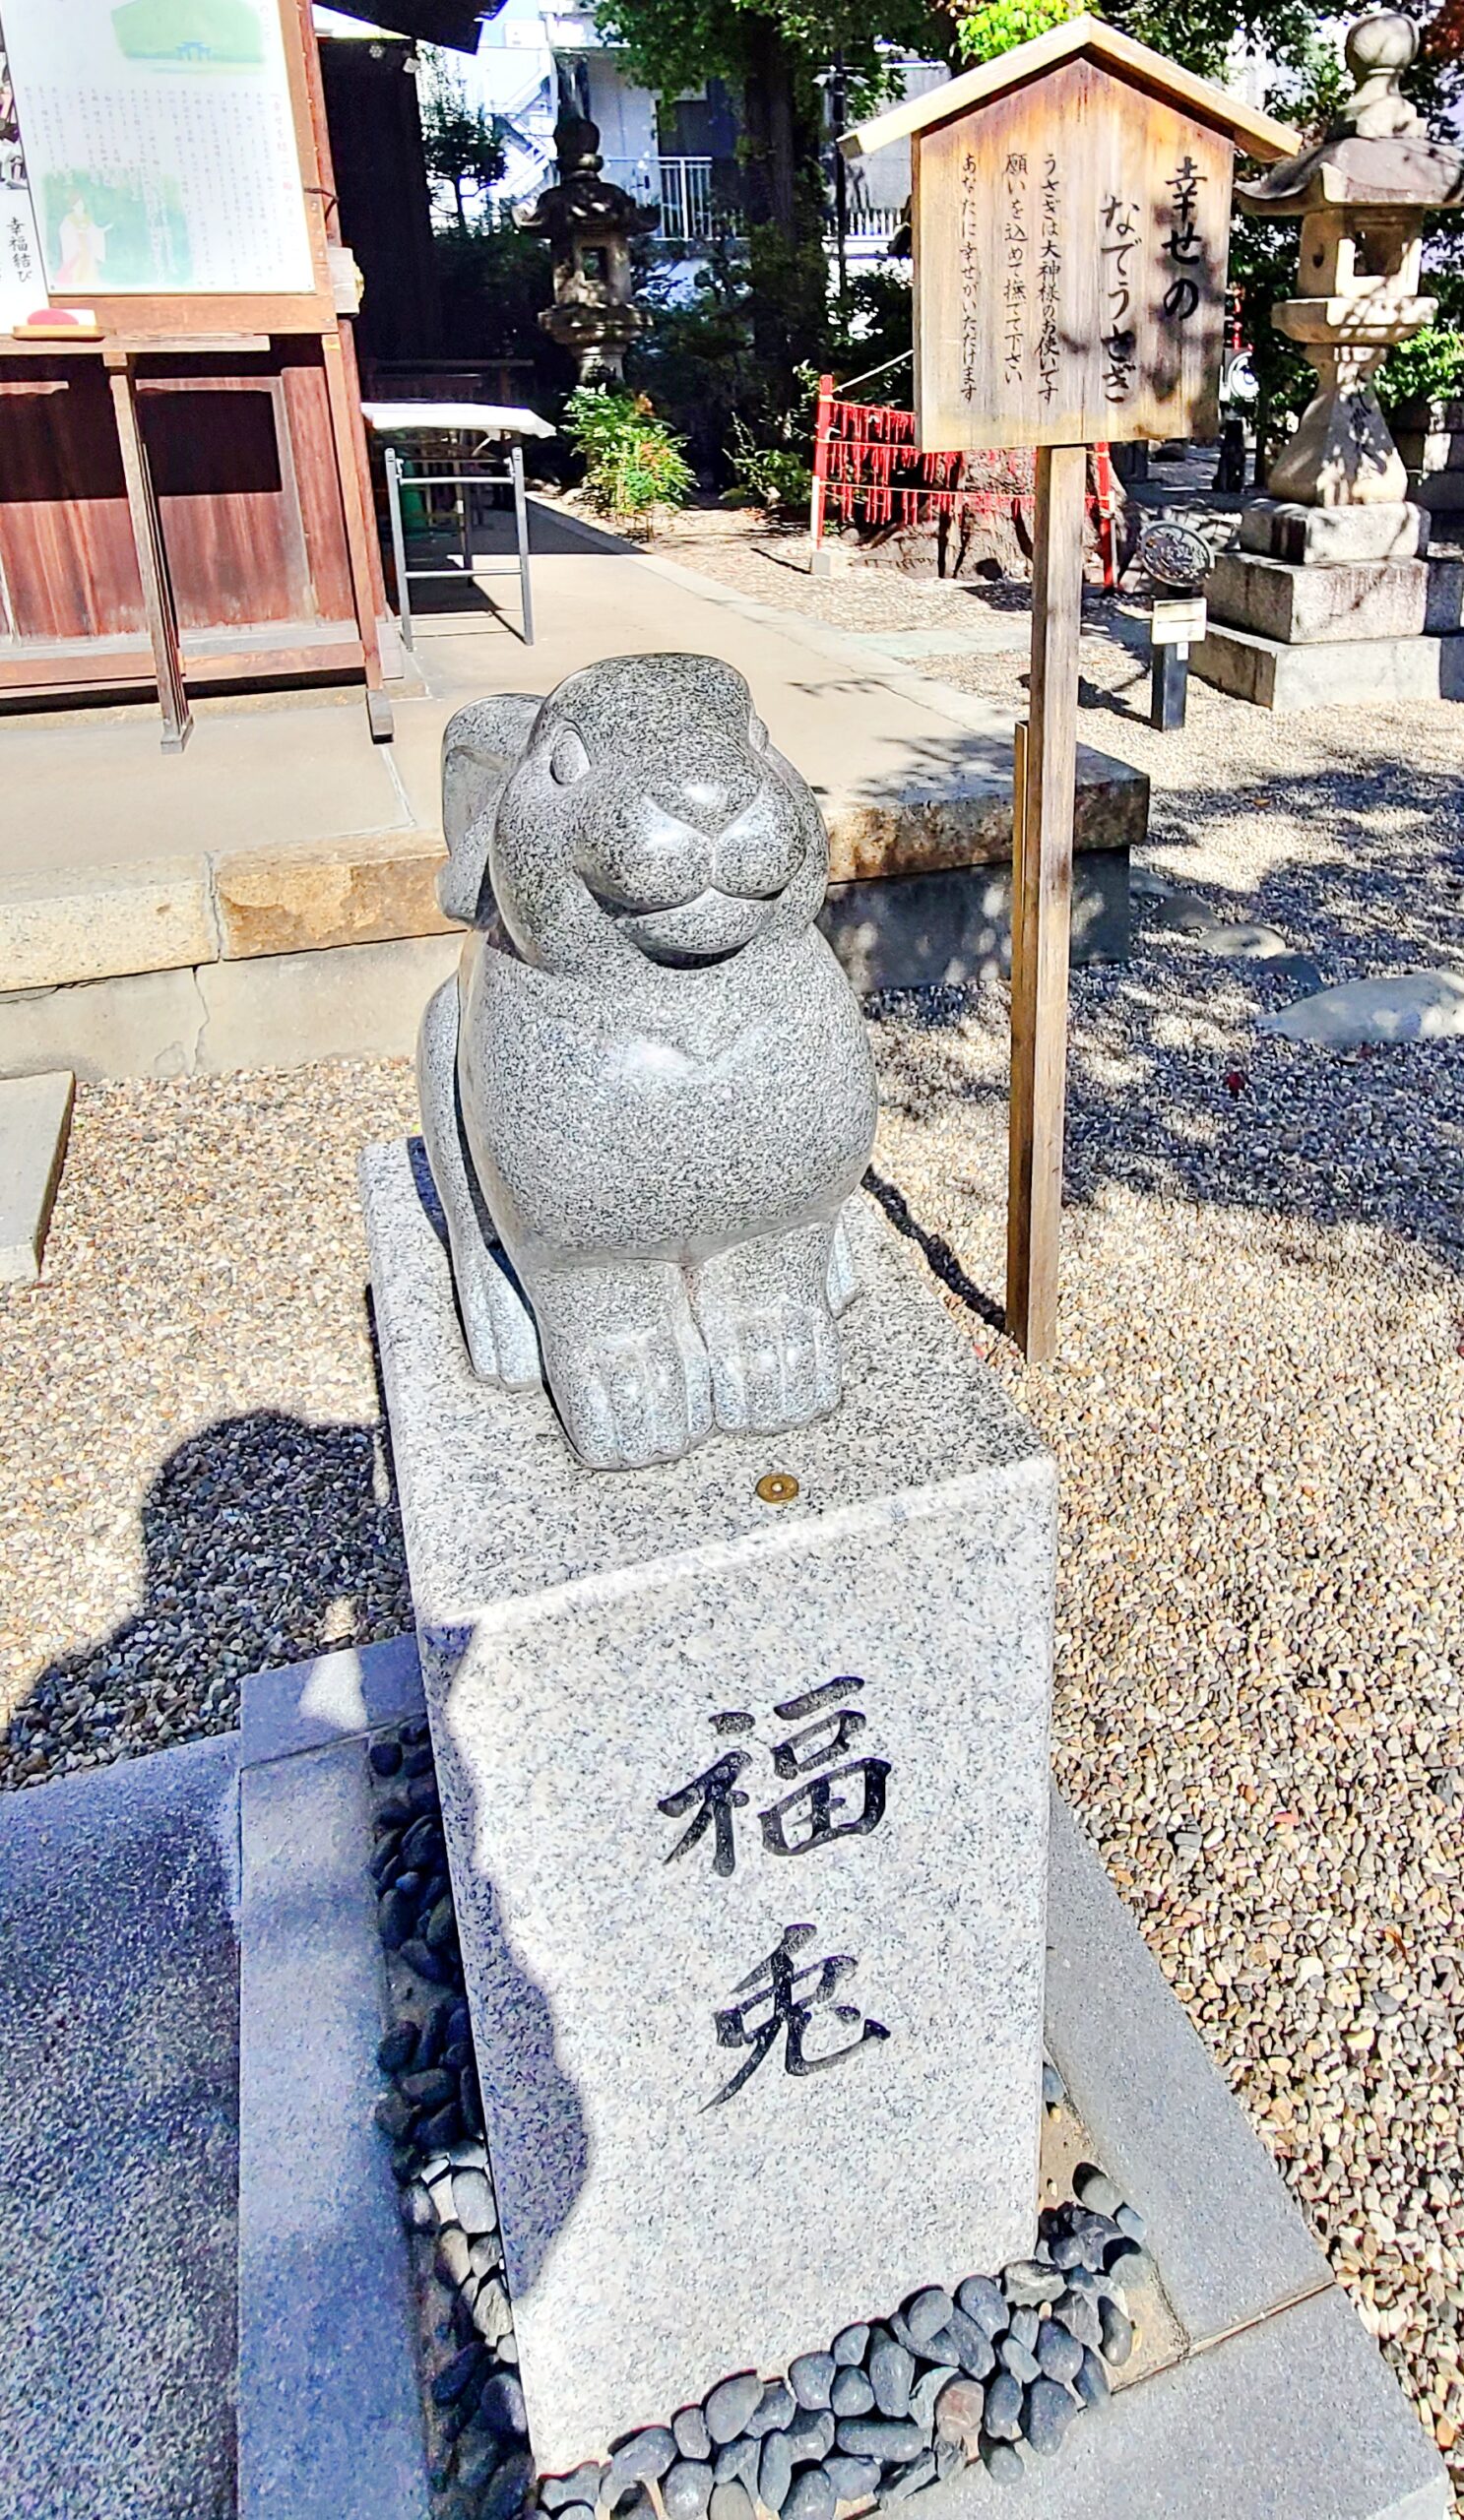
<point>151,559</point>
<point>1042,907</point>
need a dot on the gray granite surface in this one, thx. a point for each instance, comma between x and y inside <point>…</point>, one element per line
<point>119,2159</point>
<point>585,1642</point>
<point>1295,2419</point>
<point>942,930</point>
<point>304,1706</point>
<point>330,2415</point>
<point>650,1082</point>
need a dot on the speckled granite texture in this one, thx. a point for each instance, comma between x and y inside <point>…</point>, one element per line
<point>649,1082</point>
<point>580,1634</point>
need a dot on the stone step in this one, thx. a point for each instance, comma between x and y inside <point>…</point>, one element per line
<point>1305,604</point>
<point>1273,673</point>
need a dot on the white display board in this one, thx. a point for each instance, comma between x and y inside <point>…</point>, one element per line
<point>22,279</point>
<point>159,146</point>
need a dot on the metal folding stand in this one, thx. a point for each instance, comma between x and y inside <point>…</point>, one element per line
<point>400,475</point>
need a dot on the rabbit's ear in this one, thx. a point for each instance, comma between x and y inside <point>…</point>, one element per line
<point>479,747</point>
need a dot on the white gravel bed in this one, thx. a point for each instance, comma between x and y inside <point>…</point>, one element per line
<point>1259,1415</point>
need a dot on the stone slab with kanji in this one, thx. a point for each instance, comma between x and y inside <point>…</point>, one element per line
<point>746,1809</point>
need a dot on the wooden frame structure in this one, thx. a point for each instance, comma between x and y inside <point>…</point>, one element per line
<point>1071,221</point>
<point>278,575</point>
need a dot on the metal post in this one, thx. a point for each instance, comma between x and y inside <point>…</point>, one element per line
<point>1169,687</point>
<point>466,487</point>
<point>399,543</point>
<point>521,522</point>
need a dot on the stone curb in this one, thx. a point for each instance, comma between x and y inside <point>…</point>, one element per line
<point>34,1120</point>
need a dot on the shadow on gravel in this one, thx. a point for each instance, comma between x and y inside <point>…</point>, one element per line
<point>265,1541</point>
<point>1174,1093</point>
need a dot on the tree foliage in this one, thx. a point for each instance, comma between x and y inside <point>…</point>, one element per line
<point>465,145</point>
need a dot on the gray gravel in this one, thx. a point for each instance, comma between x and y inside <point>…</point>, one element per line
<point>192,1481</point>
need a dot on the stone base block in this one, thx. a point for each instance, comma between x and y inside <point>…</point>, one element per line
<point>904,932</point>
<point>1331,674</point>
<point>1344,600</point>
<point>1253,2393</point>
<point>864,1664</point>
<point>1284,529</point>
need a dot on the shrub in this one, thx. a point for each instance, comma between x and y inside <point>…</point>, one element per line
<point>1427,369</point>
<point>633,465</point>
<point>775,477</point>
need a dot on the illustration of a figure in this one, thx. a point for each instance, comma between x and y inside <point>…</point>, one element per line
<point>82,247</point>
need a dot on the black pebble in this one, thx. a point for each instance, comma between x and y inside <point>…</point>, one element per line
<point>453,2376</point>
<point>469,2103</point>
<point>385,1757</point>
<point>430,2090</point>
<point>851,2393</point>
<point>417,1762</point>
<point>501,2406</point>
<point>394,2116</point>
<point>427,1963</point>
<point>1092,2381</point>
<point>396,1917</point>
<point>439,2133</point>
<point>423,1842</point>
<point>397,2048</point>
<point>1003,2418</point>
<point>384,1859</point>
<point>1046,2415</point>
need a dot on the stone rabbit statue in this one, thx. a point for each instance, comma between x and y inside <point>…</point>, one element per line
<point>650,1081</point>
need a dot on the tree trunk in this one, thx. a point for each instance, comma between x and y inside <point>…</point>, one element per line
<point>769,119</point>
<point>782,203</point>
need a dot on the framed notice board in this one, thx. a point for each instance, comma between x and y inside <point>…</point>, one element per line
<point>184,490</point>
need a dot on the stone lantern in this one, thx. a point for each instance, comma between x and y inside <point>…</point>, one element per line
<point>1361,195</point>
<point>589,225</point>
<point>1337,546</point>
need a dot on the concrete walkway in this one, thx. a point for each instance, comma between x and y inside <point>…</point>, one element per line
<point>284,830</point>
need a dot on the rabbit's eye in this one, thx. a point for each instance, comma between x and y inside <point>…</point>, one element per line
<point>568,760</point>
<point>757,735</point>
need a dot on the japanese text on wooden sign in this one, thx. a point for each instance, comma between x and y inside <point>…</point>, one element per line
<point>1070,260</point>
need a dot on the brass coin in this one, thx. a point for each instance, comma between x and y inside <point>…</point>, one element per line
<point>777,1487</point>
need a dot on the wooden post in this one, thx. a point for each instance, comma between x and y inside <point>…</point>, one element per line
<point>1042,907</point>
<point>151,558</point>
<point>823,423</point>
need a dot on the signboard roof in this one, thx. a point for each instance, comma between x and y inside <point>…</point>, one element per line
<point>1252,131</point>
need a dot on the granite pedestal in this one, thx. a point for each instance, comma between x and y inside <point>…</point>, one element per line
<point>747,1807</point>
<point>1321,606</point>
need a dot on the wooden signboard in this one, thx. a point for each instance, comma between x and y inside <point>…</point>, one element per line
<point>1071,219</point>
<point>1071,258</point>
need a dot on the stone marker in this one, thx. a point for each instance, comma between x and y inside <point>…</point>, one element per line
<point>743,1770</point>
